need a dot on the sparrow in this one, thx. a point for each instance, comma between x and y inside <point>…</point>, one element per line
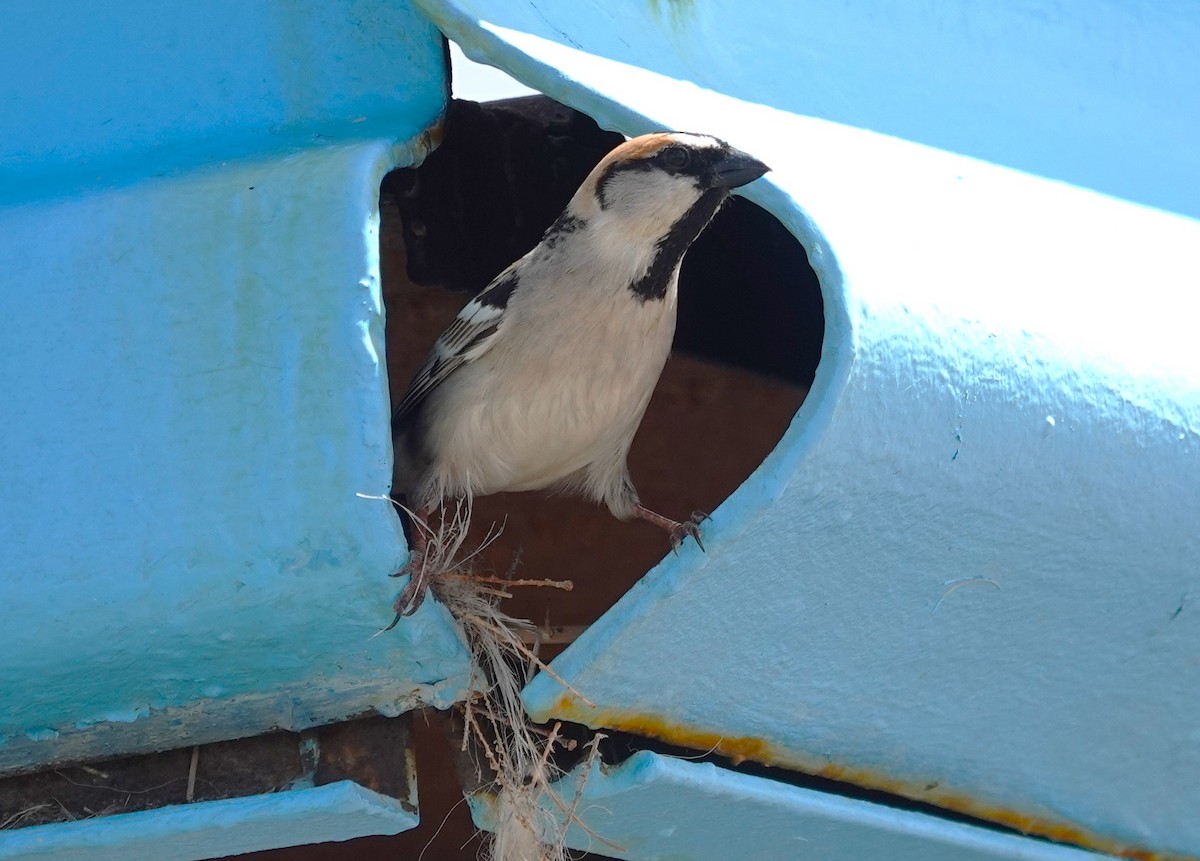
<point>543,378</point>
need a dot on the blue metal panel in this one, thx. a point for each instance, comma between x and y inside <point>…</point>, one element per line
<point>967,573</point>
<point>150,86</point>
<point>195,408</point>
<point>339,811</point>
<point>1103,97</point>
<point>657,808</point>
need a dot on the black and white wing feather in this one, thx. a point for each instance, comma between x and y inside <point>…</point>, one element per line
<point>471,335</point>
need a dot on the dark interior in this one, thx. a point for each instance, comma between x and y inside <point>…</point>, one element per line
<point>505,170</point>
<point>747,345</point>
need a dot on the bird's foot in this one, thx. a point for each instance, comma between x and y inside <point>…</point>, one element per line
<point>691,527</point>
<point>413,594</point>
<point>676,531</point>
<point>416,567</point>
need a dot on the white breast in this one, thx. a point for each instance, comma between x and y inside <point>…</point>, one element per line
<point>564,390</point>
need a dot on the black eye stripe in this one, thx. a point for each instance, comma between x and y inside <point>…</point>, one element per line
<point>694,163</point>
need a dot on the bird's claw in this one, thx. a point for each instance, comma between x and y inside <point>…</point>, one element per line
<point>413,594</point>
<point>691,527</point>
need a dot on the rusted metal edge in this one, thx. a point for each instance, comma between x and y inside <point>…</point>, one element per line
<point>935,793</point>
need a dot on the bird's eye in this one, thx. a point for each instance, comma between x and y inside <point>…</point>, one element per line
<point>676,157</point>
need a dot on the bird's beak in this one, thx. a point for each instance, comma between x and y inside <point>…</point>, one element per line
<point>737,169</point>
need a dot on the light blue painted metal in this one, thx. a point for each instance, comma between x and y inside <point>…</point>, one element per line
<point>338,811</point>
<point>92,99</point>
<point>195,436</point>
<point>969,571</point>
<point>1102,98</point>
<point>658,808</point>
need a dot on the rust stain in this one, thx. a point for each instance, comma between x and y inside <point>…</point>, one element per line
<point>737,749</point>
<point>432,137</point>
<point>740,749</point>
<point>1060,831</point>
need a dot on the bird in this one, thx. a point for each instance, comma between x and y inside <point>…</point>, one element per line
<point>542,379</point>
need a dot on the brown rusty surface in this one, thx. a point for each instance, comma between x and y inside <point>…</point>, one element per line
<point>740,749</point>
<point>445,833</point>
<point>227,769</point>
<point>374,752</point>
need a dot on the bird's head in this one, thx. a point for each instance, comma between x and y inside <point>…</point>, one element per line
<point>650,183</point>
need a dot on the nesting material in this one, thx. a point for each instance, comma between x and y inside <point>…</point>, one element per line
<point>511,758</point>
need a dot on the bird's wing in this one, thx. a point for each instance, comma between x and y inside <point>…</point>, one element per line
<point>471,335</point>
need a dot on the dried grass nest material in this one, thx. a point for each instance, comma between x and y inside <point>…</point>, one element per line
<point>512,758</point>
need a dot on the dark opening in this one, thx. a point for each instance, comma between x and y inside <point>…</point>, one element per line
<point>747,344</point>
<point>503,173</point>
<point>748,341</point>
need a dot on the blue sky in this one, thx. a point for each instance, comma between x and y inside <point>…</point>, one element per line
<point>482,83</point>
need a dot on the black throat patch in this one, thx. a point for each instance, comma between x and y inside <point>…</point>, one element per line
<point>671,247</point>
